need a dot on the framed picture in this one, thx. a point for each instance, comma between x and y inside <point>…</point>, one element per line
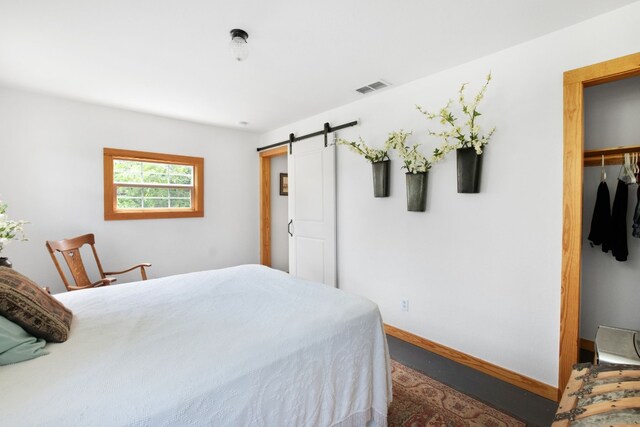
<point>284,184</point>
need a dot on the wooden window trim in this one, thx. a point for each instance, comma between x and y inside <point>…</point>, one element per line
<point>110,211</point>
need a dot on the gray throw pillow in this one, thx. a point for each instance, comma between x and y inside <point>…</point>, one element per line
<point>16,345</point>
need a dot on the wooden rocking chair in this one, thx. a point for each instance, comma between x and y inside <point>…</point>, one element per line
<point>70,250</point>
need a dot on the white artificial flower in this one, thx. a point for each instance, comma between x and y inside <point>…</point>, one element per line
<point>371,154</point>
<point>9,229</point>
<point>450,121</point>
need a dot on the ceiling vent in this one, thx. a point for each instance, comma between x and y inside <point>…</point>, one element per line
<point>380,84</point>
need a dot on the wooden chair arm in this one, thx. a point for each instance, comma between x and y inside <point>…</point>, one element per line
<point>142,265</point>
<point>104,282</point>
<point>101,282</point>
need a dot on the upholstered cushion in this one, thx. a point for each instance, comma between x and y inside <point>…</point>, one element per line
<point>16,345</point>
<point>26,304</point>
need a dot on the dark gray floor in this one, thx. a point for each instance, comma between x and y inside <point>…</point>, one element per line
<point>529,407</point>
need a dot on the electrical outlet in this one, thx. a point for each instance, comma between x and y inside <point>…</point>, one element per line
<point>404,304</point>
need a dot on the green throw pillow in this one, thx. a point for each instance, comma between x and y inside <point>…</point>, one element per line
<point>16,345</point>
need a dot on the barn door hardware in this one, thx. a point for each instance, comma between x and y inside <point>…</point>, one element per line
<point>327,129</point>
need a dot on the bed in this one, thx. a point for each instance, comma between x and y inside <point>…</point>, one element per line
<point>242,346</point>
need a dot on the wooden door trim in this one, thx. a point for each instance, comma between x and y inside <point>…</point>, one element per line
<point>265,201</point>
<point>574,83</point>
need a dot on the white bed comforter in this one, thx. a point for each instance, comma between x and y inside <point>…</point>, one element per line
<point>243,346</point>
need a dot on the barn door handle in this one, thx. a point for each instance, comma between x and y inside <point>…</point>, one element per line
<point>289,228</point>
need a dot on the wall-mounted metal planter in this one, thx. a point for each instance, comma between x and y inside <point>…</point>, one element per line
<point>417,191</point>
<point>380,178</point>
<point>469,170</point>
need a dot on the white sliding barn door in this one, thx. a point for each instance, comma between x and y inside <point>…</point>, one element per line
<point>312,211</point>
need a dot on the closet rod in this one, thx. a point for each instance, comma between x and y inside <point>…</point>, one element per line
<point>612,155</point>
<point>327,129</point>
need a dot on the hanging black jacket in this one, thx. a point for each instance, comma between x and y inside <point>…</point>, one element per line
<point>636,216</point>
<point>619,222</point>
<point>601,220</point>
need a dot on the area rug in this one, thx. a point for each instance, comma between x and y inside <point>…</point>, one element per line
<point>421,401</point>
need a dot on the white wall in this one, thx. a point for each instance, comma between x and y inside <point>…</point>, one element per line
<point>279,217</point>
<point>51,175</point>
<point>610,294</point>
<point>481,272</point>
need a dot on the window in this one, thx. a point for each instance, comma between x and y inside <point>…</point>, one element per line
<point>139,185</point>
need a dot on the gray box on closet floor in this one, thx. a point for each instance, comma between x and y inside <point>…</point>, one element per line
<point>617,345</point>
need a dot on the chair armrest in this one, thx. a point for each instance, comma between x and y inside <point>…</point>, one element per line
<point>101,282</point>
<point>142,265</point>
<point>104,282</point>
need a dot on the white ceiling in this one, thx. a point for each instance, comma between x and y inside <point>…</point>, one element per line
<point>171,58</point>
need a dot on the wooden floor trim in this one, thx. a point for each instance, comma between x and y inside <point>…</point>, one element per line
<point>514,378</point>
<point>588,345</point>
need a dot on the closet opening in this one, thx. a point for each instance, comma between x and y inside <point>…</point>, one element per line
<point>574,237</point>
<point>274,244</point>
<point>609,293</point>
